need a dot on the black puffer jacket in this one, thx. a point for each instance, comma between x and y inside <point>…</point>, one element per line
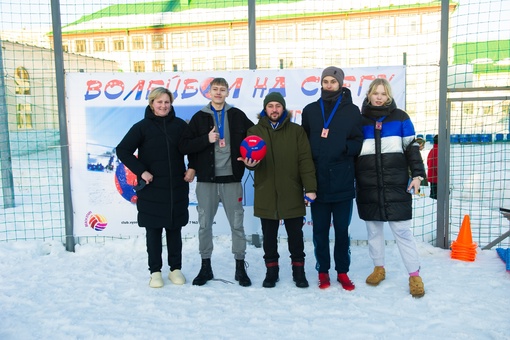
<point>163,202</point>
<point>195,142</point>
<point>382,168</point>
<point>334,156</point>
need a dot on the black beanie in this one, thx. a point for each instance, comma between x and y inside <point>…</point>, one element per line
<point>274,97</point>
<point>436,139</point>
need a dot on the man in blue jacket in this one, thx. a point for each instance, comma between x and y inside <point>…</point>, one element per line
<point>333,125</point>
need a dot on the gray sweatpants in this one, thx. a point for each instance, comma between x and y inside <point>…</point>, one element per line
<point>209,196</point>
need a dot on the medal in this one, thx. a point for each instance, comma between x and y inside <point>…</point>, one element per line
<point>324,133</point>
<point>222,143</point>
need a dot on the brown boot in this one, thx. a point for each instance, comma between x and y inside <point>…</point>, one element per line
<point>416,287</point>
<point>377,276</point>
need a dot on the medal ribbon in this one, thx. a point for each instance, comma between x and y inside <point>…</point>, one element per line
<point>221,125</point>
<point>326,123</point>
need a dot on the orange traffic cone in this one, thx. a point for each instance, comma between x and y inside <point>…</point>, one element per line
<point>465,237</point>
<point>464,248</point>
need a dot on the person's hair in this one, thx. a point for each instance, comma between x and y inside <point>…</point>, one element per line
<point>387,88</point>
<point>157,92</point>
<point>219,82</point>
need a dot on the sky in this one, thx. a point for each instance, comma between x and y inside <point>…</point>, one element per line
<point>101,291</point>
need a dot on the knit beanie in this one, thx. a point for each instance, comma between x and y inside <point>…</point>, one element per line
<point>436,139</point>
<point>274,97</point>
<point>334,72</point>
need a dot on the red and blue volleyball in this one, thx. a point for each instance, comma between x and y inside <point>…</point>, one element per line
<point>124,182</point>
<point>253,147</point>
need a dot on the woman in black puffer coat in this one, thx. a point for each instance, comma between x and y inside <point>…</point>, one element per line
<point>163,182</point>
<point>383,186</point>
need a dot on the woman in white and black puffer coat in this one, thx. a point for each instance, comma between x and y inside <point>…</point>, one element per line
<point>383,184</point>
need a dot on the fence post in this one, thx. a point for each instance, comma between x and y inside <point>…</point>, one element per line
<point>64,143</point>
<point>5,145</point>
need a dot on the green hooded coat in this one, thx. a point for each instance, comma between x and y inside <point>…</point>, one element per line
<point>286,172</point>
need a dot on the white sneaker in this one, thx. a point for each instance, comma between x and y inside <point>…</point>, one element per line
<point>176,277</point>
<point>156,280</point>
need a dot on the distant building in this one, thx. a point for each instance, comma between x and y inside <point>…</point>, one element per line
<point>30,85</point>
<point>205,35</point>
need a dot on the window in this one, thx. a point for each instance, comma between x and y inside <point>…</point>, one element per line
<point>137,43</point>
<point>158,65</point>
<point>308,59</point>
<point>240,62</point>
<point>264,35</point>
<point>177,65</point>
<point>285,33</point>
<point>198,64</point>
<point>99,45</point>
<point>158,41</point>
<point>80,46</point>
<point>309,31</point>
<point>264,61</point>
<point>198,39</point>
<point>22,80</point>
<point>219,38</point>
<point>139,66</point>
<point>240,37</point>
<point>118,45</point>
<point>468,108</point>
<point>65,46</point>
<point>285,60</point>
<point>24,116</point>
<point>359,28</point>
<point>178,40</point>
<point>220,63</point>
<point>333,30</point>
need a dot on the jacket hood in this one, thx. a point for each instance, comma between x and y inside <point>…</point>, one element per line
<point>208,109</point>
<point>150,114</point>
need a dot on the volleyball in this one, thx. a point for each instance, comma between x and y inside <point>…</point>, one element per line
<point>124,182</point>
<point>253,147</point>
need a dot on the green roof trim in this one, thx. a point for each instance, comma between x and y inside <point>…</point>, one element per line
<point>177,6</point>
<point>167,6</point>
<point>492,56</point>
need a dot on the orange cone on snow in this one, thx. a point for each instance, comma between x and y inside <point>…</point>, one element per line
<point>464,248</point>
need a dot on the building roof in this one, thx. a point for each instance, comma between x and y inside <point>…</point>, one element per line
<point>491,56</point>
<point>188,12</point>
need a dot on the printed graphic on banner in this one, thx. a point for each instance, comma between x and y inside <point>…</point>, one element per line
<point>103,106</point>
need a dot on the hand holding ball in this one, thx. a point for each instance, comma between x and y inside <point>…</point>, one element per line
<point>253,147</point>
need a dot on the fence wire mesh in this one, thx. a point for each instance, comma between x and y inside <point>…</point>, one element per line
<point>207,35</point>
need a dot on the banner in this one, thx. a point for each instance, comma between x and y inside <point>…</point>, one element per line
<point>101,107</point>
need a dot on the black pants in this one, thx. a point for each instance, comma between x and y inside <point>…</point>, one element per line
<point>294,227</point>
<point>155,244</point>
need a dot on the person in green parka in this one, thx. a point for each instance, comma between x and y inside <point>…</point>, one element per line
<point>284,181</point>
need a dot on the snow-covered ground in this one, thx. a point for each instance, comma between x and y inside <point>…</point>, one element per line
<point>101,292</point>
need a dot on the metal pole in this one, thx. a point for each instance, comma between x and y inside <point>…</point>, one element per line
<point>5,145</point>
<point>251,34</point>
<point>443,168</point>
<point>64,144</point>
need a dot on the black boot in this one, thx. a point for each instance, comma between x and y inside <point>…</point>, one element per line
<point>271,275</point>
<point>205,273</point>
<point>241,275</point>
<point>298,274</point>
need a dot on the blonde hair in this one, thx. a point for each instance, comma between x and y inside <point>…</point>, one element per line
<point>387,88</point>
<point>157,92</point>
